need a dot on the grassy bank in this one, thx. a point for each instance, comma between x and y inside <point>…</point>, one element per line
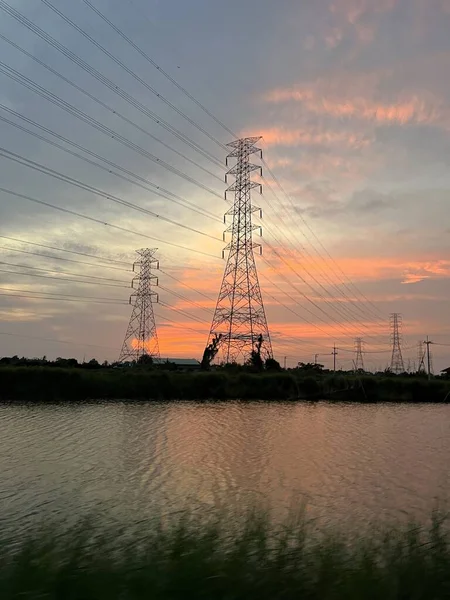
<point>51,384</point>
<point>207,559</point>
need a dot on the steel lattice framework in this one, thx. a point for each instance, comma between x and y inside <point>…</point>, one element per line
<point>239,321</point>
<point>359,360</point>
<point>397,364</point>
<point>141,337</point>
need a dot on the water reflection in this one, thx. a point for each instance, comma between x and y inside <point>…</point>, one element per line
<point>351,462</point>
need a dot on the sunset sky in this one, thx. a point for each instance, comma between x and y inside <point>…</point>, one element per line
<point>352,100</point>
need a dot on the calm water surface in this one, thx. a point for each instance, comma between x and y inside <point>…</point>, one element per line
<point>349,462</point>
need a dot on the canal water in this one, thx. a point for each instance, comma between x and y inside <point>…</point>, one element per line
<point>346,463</point>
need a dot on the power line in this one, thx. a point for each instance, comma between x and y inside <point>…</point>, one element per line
<point>93,190</point>
<point>318,240</point>
<point>181,297</point>
<point>78,262</point>
<point>186,285</point>
<point>162,71</point>
<point>82,116</point>
<point>8,264</point>
<point>182,312</point>
<point>349,310</point>
<point>149,186</point>
<point>63,279</point>
<point>114,300</point>
<point>124,66</point>
<point>30,297</point>
<point>104,105</point>
<point>98,221</point>
<point>344,312</point>
<point>180,324</point>
<point>44,339</point>
<point>77,252</point>
<point>104,80</point>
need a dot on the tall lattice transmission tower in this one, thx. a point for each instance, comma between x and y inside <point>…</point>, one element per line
<point>239,325</point>
<point>421,351</point>
<point>397,364</point>
<point>141,337</point>
<point>359,359</point>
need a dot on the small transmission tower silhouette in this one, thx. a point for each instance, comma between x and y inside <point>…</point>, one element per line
<point>397,364</point>
<point>421,357</point>
<point>359,360</point>
<point>141,337</point>
<point>239,326</point>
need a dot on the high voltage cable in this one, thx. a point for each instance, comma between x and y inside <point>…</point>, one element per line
<point>324,273</point>
<point>127,69</point>
<point>105,81</point>
<point>342,326</point>
<point>186,285</point>
<point>106,106</point>
<point>181,297</point>
<point>109,54</point>
<point>82,116</point>
<point>343,311</point>
<point>78,262</point>
<point>327,333</point>
<point>339,323</point>
<point>62,272</point>
<point>182,312</point>
<point>115,300</point>
<point>63,279</point>
<point>180,324</point>
<point>298,275</point>
<point>191,97</point>
<point>43,339</point>
<point>78,253</point>
<point>93,190</point>
<point>106,224</point>
<point>160,69</point>
<point>160,191</point>
<point>29,297</point>
<point>196,102</point>
<point>318,240</point>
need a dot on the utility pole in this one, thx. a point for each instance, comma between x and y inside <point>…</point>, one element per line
<point>239,326</point>
<point>334,353</point>
<point>428,342</point>
<point>316,356</point>
<point>141,336</point>
<point>285,362</point>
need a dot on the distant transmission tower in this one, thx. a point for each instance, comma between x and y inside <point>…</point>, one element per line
<point>397,365</point>
<point>239,326</point>
<point>141,337</point>
<point>421,357</point>
<point>359,360</point>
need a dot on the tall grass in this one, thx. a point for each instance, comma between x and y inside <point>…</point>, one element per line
<point>215,558</point>
<point>47,384</point>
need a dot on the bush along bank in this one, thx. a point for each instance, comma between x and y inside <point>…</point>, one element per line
<point>49,384</point>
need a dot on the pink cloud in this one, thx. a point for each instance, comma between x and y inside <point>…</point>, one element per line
<point>328,99</point>
<point>285,136</point>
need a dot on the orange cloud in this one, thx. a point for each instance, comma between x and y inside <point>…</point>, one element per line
<point>318,100</point>
<point>280,136</point>
<point>414,278</point>
<point>357,268</point>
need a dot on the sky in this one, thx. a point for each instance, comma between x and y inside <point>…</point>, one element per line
<point>352,100</point>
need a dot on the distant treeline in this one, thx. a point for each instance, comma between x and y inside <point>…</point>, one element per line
<point>47,383</point>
